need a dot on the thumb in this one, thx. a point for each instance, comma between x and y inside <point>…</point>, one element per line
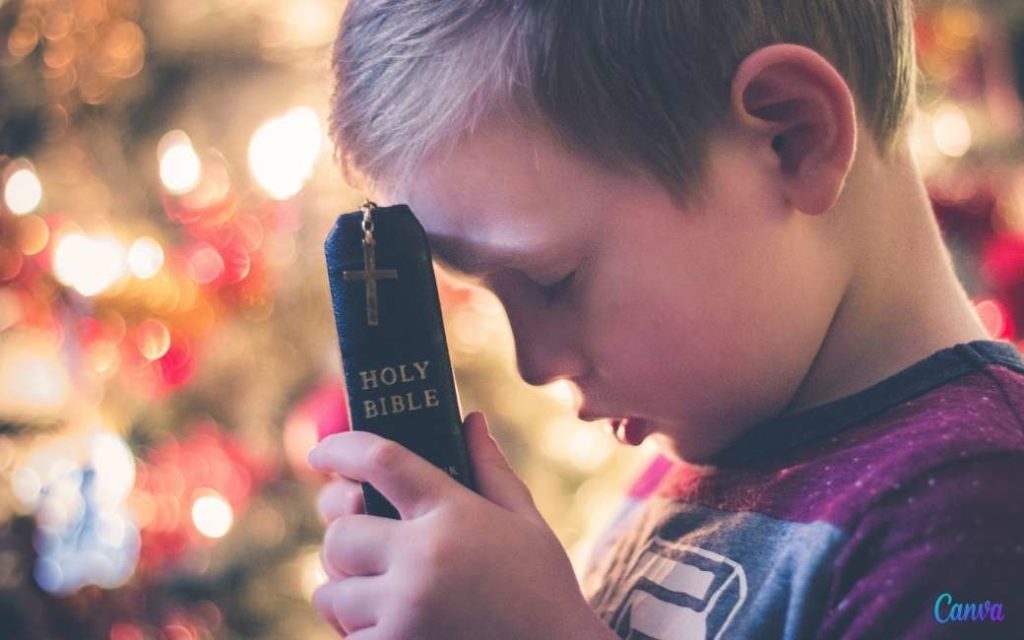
<point>494,476</point>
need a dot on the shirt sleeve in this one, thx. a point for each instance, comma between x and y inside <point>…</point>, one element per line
<point>928,550</point>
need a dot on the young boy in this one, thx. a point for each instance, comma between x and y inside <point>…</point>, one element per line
<point>705,215</point>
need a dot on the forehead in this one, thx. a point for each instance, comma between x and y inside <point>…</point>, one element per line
<point>501,191</point>
<point>469,224</point>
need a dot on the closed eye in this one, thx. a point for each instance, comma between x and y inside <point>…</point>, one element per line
<point>552,290</point>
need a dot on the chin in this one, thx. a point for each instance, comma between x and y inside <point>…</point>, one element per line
<point>693,449</point>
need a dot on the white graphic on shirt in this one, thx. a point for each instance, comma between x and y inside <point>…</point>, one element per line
<point>681,592</point>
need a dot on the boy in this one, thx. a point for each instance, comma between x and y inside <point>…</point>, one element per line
<point>704,215</point>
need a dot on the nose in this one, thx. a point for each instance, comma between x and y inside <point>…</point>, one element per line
<point>546,337</point>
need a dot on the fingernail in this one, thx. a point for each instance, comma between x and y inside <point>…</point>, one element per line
<point>314,455</point>
<point>482,420</point>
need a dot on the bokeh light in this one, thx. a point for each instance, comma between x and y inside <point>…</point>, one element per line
<point>116,468</point>
<point>284,150</point>
<point>75,488</point>
<point>145,258</point>
<point>952,131</point>
<point>33,379</point>
<point>205,265</point>
<point>212,514</point>
<point>995,318</point>
<point>312,572</point>
<point>33,234</point>
<point>153,339</point>
<point>22,190</point>
<point>89,264</point>
<point>180,167</point>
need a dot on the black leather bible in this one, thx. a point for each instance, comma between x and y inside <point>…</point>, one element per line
<point>394,353</point>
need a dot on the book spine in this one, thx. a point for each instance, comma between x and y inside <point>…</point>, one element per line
<point>398,373</point>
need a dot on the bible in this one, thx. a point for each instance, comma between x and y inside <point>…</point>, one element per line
<point>391,335</point>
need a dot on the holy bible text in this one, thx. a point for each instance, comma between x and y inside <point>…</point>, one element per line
<point>395,380</point>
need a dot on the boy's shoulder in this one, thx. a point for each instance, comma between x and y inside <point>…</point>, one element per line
<point>961,407</point>
<point>905,488</point>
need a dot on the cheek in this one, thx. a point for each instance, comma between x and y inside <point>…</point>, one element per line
<point>717,321</point>
<point>642,332</point>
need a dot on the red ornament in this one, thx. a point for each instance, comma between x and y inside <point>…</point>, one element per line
<point>175,475</point>
<point>1003,263</point>
<point>1003,269</point>
<point>177,364</point>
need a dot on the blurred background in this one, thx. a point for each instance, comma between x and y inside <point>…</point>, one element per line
<point>167,350</point>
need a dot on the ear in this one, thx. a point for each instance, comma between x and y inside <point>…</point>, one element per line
<point>802,111</point>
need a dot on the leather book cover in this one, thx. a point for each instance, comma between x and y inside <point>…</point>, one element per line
<point>394,352</point>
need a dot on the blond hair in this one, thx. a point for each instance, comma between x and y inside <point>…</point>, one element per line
<point>630,84</point>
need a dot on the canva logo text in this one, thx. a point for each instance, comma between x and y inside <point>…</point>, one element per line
<point>948,610</point>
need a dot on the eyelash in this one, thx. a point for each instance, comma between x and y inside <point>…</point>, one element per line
<point>552,290</point>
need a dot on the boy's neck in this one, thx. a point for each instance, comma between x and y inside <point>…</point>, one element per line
<point>903,301</point>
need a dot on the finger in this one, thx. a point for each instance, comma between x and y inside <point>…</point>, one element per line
<point>340,497</point>
<point>412,484</point>
<point>331,572</point>
<point>351,603</point>
<point>324,608</point>
<point>496,480</point>
<point>358,545</point>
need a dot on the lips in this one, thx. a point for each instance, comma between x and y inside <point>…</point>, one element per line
<point>630,431</point>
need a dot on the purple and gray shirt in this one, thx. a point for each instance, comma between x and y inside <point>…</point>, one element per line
<point>894,512</point>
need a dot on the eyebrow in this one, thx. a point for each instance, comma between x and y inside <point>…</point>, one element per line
<point>471,264</point>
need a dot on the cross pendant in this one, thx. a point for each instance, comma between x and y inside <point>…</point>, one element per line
<point>371,275</point>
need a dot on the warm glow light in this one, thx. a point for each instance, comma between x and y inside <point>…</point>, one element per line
<point>180,167</point>
<point>115,465</point>
<point>952,132</point>
<point>42,381</point>
<point>589,448</point>
<point>23,192</point>
<point>313,573</point>
<point>564,392</point>
<point>33,236</point>
<point>205,265</point>
<point>153,338</point>
<point>145,257</point>
<point>89,264</point>
<point>102,356</point>
<point>283,152</point>
<point>583,446</point>
<point>33,376</point>
<point>212,515</point>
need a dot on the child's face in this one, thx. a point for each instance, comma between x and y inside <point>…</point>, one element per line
<point>699,320</point>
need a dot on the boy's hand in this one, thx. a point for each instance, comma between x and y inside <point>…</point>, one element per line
<point>458,565</point>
